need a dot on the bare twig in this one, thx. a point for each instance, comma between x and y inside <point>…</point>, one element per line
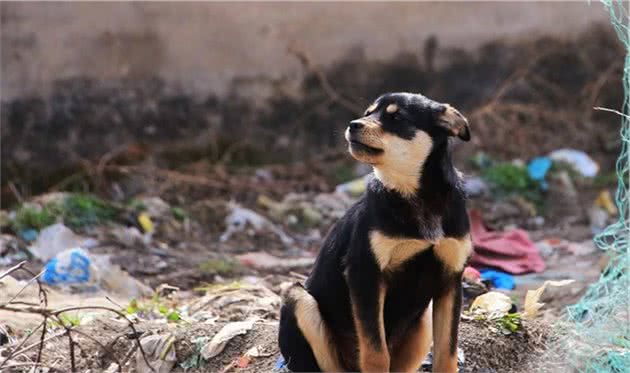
<point>15,192</point>
<point>612,111</point>
<point>304,59</point>
<point>50,313</point>
<point>20,265</point>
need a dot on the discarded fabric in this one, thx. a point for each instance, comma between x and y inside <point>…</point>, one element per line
<point>511,251</point>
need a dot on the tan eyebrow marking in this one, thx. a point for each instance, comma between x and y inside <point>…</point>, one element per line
<point>392,108</point>
<point>371,108</point>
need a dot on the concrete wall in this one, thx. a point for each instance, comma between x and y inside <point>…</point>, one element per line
<point>200,47</point>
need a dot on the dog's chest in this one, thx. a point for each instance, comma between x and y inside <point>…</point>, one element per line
<point>409,290</point>
<point>391,252</point>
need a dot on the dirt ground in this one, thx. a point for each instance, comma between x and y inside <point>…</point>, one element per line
<point>521,100</point>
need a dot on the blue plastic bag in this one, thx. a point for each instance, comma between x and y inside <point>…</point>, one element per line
<point>69,267</point>
<point>500,280</point>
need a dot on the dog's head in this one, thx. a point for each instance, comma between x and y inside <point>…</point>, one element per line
<point>398,132</point>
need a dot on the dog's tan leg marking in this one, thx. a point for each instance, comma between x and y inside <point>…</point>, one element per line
<point>315,330</point>
<point>372,357</point>
<point>453,252</point>
<point>414,347</point>
<point>399,167</point>
<point>444,360</point>
<point>391,252</point>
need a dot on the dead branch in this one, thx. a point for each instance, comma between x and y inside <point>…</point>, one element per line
<point>55,314</point>
<point>304,59</point>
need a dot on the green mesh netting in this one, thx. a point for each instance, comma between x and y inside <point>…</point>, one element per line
<point>599,333</point>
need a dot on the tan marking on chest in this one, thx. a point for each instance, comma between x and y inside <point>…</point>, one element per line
<point>453,252</point>
<point>391,252</point>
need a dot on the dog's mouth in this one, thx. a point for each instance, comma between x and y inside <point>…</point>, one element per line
<point>361,147</point>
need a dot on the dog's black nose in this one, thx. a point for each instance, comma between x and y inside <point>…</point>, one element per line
<point>355,125</point>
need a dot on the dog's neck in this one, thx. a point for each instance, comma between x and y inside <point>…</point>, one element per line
<point>432,174</point>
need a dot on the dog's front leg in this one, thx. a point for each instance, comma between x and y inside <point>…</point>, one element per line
<point>446,310</point>
<point>367,293</point>
<point>447,304</point>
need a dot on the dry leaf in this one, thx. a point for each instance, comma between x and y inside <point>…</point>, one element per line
<point>229,331</point>
<point>533,296</point>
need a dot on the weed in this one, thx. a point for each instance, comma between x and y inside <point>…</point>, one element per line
<point>179,213</point>
<point>81,210</point>
<point>217,266</point>
<point>68,320</point>
<point>507,179</point>
<point>34,217</point>
<point>153,309</point>
<point>510,323</point>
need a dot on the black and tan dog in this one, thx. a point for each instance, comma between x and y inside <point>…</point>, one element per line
<point>367,303</point>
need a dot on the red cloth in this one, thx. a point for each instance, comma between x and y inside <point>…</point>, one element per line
<point>510,251</point>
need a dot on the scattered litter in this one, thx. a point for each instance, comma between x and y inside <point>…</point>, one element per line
<point>499,279</point>
<point>160,352</point>
<point>145,222</point>
<point>472,286</point>
<point>475,186</point>
<point>29,235</point>
<point>56,238</point>
<point>353,188</point>
<point>229,331</point>
<point>511,251</point>
<point>538,168</point>
<point>471,273</point>
<point>309,210</point>
<point>256,351</point>
<point>263,260</point>
<point>112,368</point>
<point>605,201</point>
<point>78,269</point>
<point>128,236</point>
<point>113,279</point>
<point>70,267</point>
<point>239,218</point>
<point>154,206</point>
<point>577,159</point>
<point>492,305</point>
<point>235,300</point>
<point>598,219</point>
<point>427,364</point>
<point>532,297</point>
<point>557,246</point>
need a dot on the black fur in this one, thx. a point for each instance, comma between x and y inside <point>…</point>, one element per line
<point>346,260</point>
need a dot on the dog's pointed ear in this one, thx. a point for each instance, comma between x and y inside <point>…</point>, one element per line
<point>454,122</point>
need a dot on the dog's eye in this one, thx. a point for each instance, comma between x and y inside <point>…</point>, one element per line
<point>398,117</point>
